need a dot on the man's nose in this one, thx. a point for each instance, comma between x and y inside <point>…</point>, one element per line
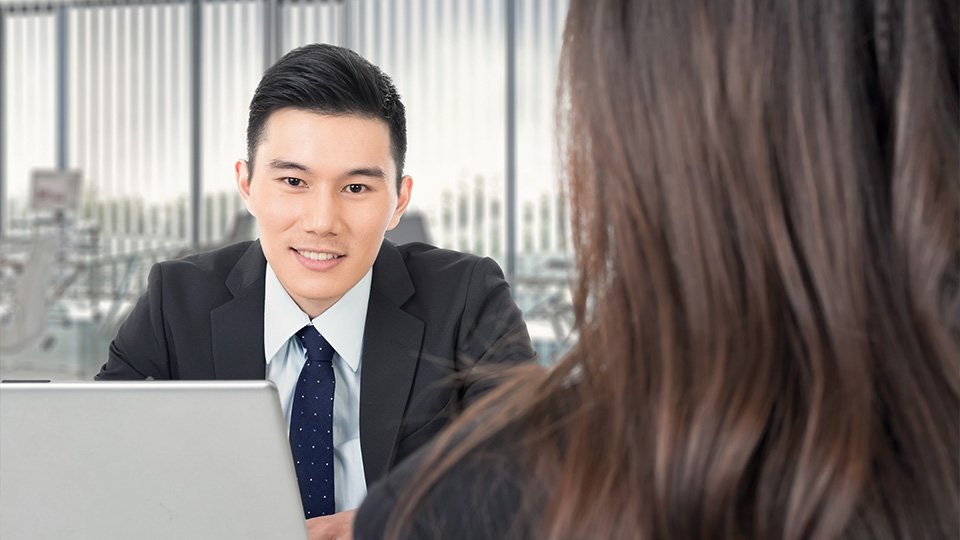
<point>322,214</point>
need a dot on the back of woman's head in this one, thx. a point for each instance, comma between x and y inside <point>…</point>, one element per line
<point>766,216</point>
<point>765,206</point>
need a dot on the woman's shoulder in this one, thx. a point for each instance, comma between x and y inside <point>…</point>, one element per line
<point>478,497</point>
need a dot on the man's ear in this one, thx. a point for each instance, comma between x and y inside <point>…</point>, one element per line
<point>403,199</point>
<point>242,169</point>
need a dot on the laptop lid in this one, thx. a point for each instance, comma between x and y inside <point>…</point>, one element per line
<point>149,460</point>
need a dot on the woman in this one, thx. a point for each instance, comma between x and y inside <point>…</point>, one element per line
<point>765,215</point>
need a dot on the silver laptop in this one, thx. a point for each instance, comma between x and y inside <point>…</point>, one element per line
<point>145,460</point>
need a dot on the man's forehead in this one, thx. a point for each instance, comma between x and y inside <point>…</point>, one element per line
<point>309,138</point>
<point>287,124</point>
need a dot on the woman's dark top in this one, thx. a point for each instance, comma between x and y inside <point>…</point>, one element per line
<point>479,498</point>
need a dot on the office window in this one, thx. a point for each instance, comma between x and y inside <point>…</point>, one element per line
<point>106,89</point>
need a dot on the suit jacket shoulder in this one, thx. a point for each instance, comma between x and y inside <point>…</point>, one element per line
<point>474,291</point>
<point>199,282</point>
<point>458,295</point>
<point>436,319</point>
<point>438,273</point>
<point>174,329</point>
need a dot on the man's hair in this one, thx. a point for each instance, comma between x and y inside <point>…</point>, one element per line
<point>332,80</point>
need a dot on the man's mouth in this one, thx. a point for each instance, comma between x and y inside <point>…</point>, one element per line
<point>318,255</point>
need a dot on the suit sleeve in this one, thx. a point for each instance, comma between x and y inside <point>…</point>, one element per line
<point>492,332</point>
<point>140,348</point>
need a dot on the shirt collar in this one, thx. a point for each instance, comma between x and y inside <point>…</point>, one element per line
<point>342,324</point>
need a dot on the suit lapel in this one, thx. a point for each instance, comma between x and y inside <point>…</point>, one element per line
<point>237,326</point>
<point>391,347</point>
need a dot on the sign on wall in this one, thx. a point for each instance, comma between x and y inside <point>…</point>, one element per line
<point>54,190</point>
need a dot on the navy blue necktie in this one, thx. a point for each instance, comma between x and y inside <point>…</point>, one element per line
<point>311,425</point>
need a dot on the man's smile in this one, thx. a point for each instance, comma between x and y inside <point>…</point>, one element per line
<point>318,255</point>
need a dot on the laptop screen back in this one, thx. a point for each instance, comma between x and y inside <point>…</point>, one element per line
<point>146,460</point>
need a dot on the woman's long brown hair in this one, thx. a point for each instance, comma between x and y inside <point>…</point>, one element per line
<point>766,215</point>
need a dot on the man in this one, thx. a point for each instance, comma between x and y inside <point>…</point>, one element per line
<point>405,325</point>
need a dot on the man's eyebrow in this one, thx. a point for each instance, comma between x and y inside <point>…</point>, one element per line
<point>288,165</point>
<point>372,172</point>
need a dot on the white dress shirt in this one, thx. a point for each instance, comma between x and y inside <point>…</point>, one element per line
<point>342,326</point>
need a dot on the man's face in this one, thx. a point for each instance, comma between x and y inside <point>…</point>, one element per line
<point>324,193</point>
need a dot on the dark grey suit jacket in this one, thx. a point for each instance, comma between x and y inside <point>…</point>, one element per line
<point>433,315</point>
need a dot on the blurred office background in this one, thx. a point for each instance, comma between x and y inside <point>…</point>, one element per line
<point>120,123</point>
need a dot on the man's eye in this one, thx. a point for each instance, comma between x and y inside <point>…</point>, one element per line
<point>293,182</point>
<point>356,188</point>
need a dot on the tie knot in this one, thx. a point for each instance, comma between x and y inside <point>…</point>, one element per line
<point>316,346</point>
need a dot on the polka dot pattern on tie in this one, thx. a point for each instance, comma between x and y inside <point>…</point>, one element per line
<point>311,425</point>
